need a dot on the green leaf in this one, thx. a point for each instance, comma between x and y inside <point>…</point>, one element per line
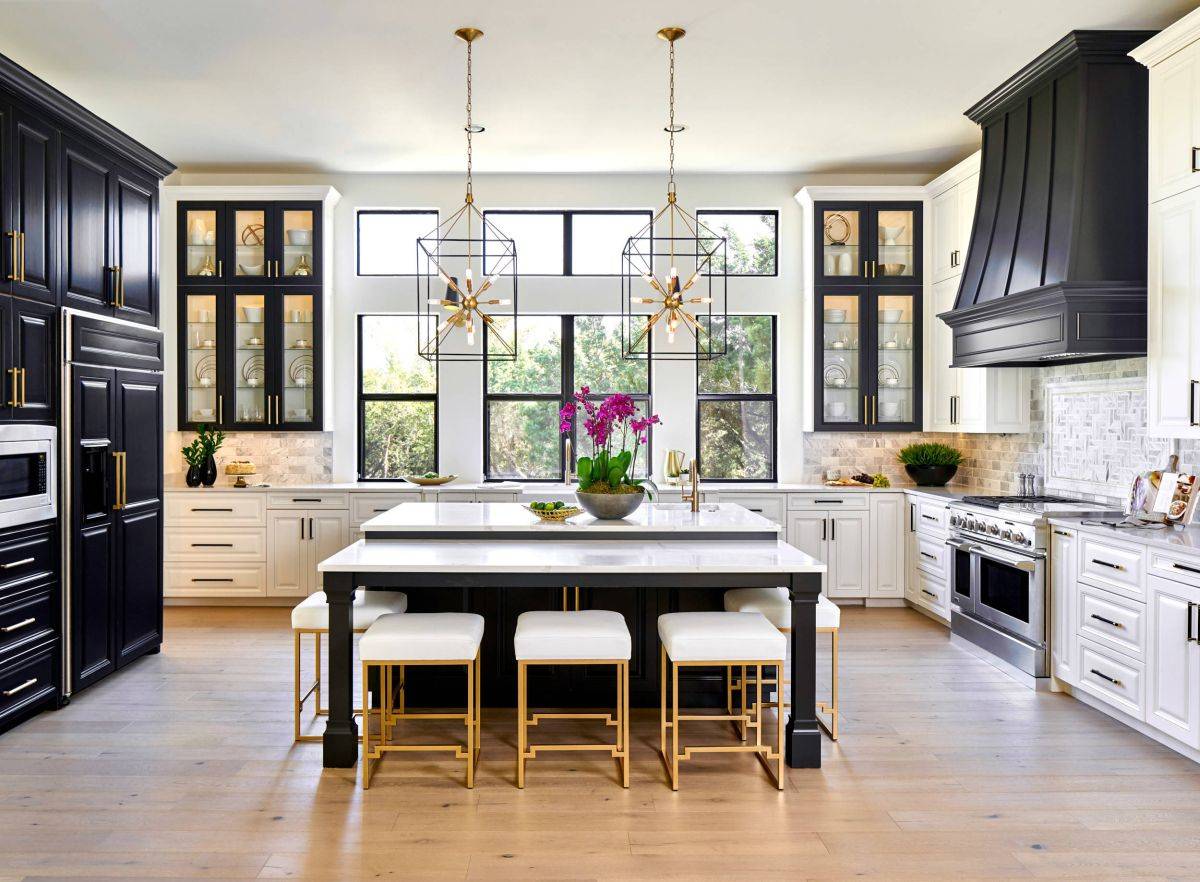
<point>615,475</point>
<point>583,466</point>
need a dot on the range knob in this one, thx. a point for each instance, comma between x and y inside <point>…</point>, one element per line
<point>993,530</point>
<point>1020,538</point>
<point>955,520</point>
<point>1006,535</point>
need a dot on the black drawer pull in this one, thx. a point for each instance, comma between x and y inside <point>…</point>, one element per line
<point>303,499</point>
<point>928,517</point>
<point>212,580</point>
<point>1062,533</point>
<point>1195,168</point>
<point>25,623</point>
<point>1106,677</point>
<point>1105,563</point>
<point>230,510</point>
<point>12,564</point>
<point>755,510</point>
<point>930,593</point>
<point>1107,621</point>
<point>212,545</point>
<point>928,555</point>
<point>828,501</point>
<point>1180,566</point>
<point>9,693</point>
<point>381,510</point>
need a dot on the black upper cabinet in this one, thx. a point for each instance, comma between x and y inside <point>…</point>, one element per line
<point>868,316</point>
<point>31,218</point>
<point>34,360</point>
<point>249,242</point>
<point>201,243</point>
<point>135,243</point>
<point>87,186</point>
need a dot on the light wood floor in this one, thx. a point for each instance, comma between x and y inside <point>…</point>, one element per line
<point>183,767</point>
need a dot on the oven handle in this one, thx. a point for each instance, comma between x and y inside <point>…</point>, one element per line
<point>1021,563</point>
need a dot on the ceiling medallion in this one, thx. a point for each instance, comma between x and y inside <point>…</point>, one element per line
<point>673,285</point>
<point>467,275</point>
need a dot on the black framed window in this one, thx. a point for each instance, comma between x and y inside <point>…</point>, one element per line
<point>556,355</point>
<point>752,237</point>
<point>386,239</point>
<point>736,408</point>
<point>397,400</point>
<point>570,242</point>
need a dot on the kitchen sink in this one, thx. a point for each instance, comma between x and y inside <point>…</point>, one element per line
<point>686,506</point>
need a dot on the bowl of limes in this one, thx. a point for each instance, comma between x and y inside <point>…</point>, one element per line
<point>429,479</point>
<point>553,511</point>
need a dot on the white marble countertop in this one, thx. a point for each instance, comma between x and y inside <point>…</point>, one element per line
<point>1186,540</point>
<point>176,485</point>
<point>510,517</point>
<point>610,556</point>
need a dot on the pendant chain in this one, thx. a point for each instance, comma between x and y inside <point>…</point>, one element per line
<point>470,127</point>
<point>671,123</point>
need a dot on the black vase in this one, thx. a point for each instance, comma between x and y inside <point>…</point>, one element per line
<point>208,472</point>
<point>931,475</point>
<point>193,476</point>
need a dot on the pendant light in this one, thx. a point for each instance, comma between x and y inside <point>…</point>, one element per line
<point>673,271</point>
<point>467,274</point>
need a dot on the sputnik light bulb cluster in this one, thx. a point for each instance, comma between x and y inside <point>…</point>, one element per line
<point>652,293</point>
<point>450,323</point>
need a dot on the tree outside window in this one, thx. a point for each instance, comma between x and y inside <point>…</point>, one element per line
<point>397,400</point>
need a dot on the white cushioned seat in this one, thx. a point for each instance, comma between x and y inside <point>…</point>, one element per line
<point>312,613</point>
<point>589,633</point>
<point>775,605</point>
<point>720,636</point>
<point>422,637</point>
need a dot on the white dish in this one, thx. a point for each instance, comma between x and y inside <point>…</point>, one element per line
<point>205,413</point>
<point>890,316</point>
<point>251,269</point>
<point>834,316</point>
<point>837,408</point>
<point>891,234</point>
<point>299,237</point>
<point>253,313</point>
<point>890,409</point>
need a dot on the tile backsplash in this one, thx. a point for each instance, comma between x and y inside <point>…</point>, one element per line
<point>279,457</point>
<point>993,461</point>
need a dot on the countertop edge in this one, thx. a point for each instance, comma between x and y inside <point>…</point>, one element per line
<point>1185,541</point>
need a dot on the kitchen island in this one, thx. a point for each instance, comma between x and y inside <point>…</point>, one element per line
<point>500,560</point>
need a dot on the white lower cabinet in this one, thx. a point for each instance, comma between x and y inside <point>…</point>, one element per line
<point>1064,605</point>
<point>842,540</point>
<point>927,574</point>
<point>1112,677</point>
<point>1173,662</point>
<point>298,540</point>
<point>889,515</point>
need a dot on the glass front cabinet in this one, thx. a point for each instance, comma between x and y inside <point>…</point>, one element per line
<point>250,316</point>
<point>868,317</point>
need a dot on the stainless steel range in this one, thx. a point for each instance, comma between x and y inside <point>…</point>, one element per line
<point>999,598</point>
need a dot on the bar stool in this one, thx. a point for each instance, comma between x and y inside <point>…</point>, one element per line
<point>311,616</point>
<point>718,639</point>
<point>586,637</point>
<point>437,639</point>
<point>775,604</point>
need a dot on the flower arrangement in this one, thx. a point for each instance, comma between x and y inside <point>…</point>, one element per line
<point>611,426</point>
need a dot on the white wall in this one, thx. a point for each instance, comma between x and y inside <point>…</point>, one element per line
<point>461,399</point>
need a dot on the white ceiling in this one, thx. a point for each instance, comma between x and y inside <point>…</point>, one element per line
<point>562,85</point>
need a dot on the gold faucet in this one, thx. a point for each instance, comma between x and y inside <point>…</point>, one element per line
<point>694,496</point>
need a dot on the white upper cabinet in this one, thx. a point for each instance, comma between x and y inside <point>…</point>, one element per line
<point>952,213</point>
<point>1175,124</point>
<point>1173,321</point>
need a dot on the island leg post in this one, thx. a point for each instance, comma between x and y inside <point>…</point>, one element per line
<point>341,732</point>
<point>803,738</point>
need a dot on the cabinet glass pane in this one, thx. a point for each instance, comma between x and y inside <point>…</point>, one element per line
<point>297,243</point>
<point>297,367</point>
<point>250,337</point>
<point>894,248</point>
<point>842,243</point>
<point>201,252</point>
<point>842,340</point>
<point>250,242</point>
<point>203,357</point>
<point>894,358</point>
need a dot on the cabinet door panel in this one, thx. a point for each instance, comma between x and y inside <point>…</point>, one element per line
<point>136,244</point>
<point>139,582</point>
<point>896,243</point>
<point>889,518</point>
<point>287,556</point>
<point>809,531</point>
<point>200,238</point>
<point>139,408</point>
<point>1173,668</point>
<point>1064,594</point>
<point>1174,120</point>
<point>848,545</point>
<point>297,248</point>
<point>943,380</point>
<point>842,359</point>
<point>944,220</point>
<point>328,533</point>
<point>841,243</point>
<point>34,347</point>
<point>1173,365</point>
<point>894,378</point>
<point>93,647</point>
<point>87,213</point>
<point>35,206</point>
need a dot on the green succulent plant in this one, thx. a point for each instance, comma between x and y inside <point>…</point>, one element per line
<point>930,454</point>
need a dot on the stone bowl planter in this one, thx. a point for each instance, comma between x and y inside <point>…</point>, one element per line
<point>610,506</point>
<point>931,476</point>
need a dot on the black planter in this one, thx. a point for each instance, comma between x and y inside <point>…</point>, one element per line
<point>193,476</point>
<point>208,472</point>
<point>931,476</point>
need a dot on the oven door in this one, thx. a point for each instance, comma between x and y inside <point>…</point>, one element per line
<point>962,574</point>
<point>1010,592</point>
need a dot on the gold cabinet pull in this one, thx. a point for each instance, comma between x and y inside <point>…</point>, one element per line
<point>15,398</point>
<point>873,269</point>
<point>13,274</point>
<point>24,400</point>
<point>220,269</point>
<point>120,287</point>
<point>220,410</point>
<point>866,420</point>
<point>9,693</point>
<point>864,269</point>
<point>124,479</point>
<point>13,564</point>
<point>119,469</point>
<point>17,626</point>
<point>874,410</point>
<point>22,256</point>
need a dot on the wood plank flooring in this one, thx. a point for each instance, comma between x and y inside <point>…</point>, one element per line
<point>183,767</point>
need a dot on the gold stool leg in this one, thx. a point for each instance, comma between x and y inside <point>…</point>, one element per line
<point>834,709</point>
<point>522,717</point>
<point>478,706</point>
<point>366,754</point>
<point>400,703</point>
<point>662,703</point>
<point>742,724</point>
<point>674,726</point>
<point>317,670</point>
<point>779,727</point>
<point>296,704</point>
<point>470,724</point>
<point>623,719</point>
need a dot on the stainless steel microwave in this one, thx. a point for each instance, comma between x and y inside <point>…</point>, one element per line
<point>28,474</point>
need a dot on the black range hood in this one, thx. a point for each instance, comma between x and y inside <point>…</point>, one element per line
<point>1056,267</point>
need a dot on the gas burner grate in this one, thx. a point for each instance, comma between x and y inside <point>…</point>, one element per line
<point>997,501</point>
